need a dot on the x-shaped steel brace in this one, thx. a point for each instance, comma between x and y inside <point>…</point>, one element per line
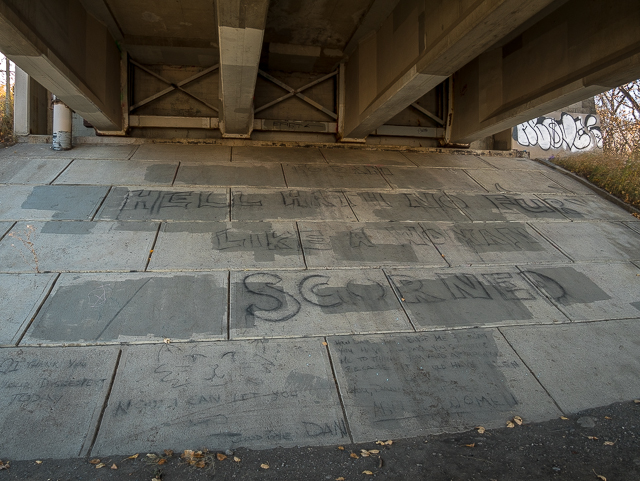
<point>297,93</point>
<point>173,86</point>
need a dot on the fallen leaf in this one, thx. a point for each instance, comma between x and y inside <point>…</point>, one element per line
<point>151,456</point>
<point>593,438</point>
<point>340,479</point>
<point>607,417</point>
<point>264,466</point>
<point>341,448</point>
<point>364,453</point>
<point>187,453</point>
<point>94,461</point>
<point>221,457</point>
<point>38,462</point>
<point>518,420</point>
<point>168,452</point>
<point>599,476</point>
<point>637,401</point>
<point>324,343</point>
<point>162,461</point>
<point>510,424</point>
<point>388,443</point>
<point>200,464</point>
<point>135,456</point>
<point>113,466</point>
<point>481,429</point>
<point>381,443</point>
<point>156,479</point>
<point>472,445</point>
<point>4,465</point>
<point>367,472</point>
<point>237,459</point>
<point>167,340</point>
<point>564,418</point>
<point>354,456</point>
<point>609,443</point>
<point>374,451</point>
<point>101,465</point>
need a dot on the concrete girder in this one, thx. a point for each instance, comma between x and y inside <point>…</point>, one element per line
<point>418,46</point>
<point>241,25</point>
<point>580,50</point>
<point>68,52</point>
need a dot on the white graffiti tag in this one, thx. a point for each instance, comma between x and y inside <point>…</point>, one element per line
<point>569,133</point>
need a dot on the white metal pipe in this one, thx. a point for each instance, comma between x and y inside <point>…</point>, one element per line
<point>61,125</point>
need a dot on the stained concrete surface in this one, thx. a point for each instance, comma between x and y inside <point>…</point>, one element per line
<point>267,175</point>
<point>230,394</point>
<point>42,392</point>
<point>432,159</point>
<point>109,172</point>
<point>315,252</point>
<point>31,171</point>
<point>101,308</point>
<point>367,157</point>
<point>523,182</point>
<point>278,154</point>
<point>512,163</point>
<point>313,303</point>
<point>289,204</point>
<point>20,297</point>
<point>582,365</point>
<point>50,202</point>
<point>168,204</point>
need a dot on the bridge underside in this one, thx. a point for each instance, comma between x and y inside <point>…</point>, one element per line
<point>430,72</point>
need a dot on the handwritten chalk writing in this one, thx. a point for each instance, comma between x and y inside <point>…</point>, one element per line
<point>306,199</point>
<point>83,382</point>
<point>155,201</point>
<point>341,169</point>
<point>263,284</point>
<point>26,399</point>
<point>527,205</point>
<point>140,406</point>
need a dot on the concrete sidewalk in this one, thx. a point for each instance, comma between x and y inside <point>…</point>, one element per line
<point>186,296</point>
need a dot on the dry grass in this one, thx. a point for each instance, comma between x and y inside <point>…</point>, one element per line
<point>617,175</point>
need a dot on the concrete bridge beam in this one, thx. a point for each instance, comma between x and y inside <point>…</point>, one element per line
<point>418,46</point>
<point>241,25</point>
<point>68,52</point>
<point>582,49</point>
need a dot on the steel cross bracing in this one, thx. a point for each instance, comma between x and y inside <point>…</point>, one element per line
<point>297,93</point>
<point>173,86</point>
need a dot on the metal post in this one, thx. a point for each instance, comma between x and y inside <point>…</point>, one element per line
<point>61,125</point>
<point>7,98</point>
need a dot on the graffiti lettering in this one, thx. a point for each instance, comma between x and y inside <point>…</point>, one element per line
<point>575,134</point>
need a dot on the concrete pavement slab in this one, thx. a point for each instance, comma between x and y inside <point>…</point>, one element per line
<point>593,241</point>
<point>257,394</point>
<point>111,151</point>
<point>590,292</point>
<point>278,154</point>
<point>30,171</point>
<point>633,225</point>
<point>27,151</point>
<point>451,180</point>
<point>256,175</point>
<point>290,204</point>
<point>586,207</point>
<point>51,400</point>
<point>5,227</point>
<point>118,172</point>
<point>166,152</point>
<point>404,206</point>
<point>512,163</point>
<point>582,365</point>
<point>505,207</point>
<point>512,181</point>
<point>471,297</point>
<point>451,161</point>
<point>364,244</point>
<point>402,385</point>
<point>490,243</point>
<point>58,246</point>
<point>135,307</point>
<point>227,245</point>
<point>50,202</point>
<point>366,157</point>
<point>20,298</point>
<point>167,204</point>
<point>335,176</point>
<point>568,183</point>
<point>313,303</point>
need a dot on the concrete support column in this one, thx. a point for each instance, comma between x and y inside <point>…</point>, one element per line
<point>420,44</point>
<point>581,49</point>
<point>241,25</point>
<point>30,107</point>
<point>67,51</point>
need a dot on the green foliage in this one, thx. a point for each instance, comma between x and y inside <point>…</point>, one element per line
<point>617,175</point>
<point>6,120</point>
